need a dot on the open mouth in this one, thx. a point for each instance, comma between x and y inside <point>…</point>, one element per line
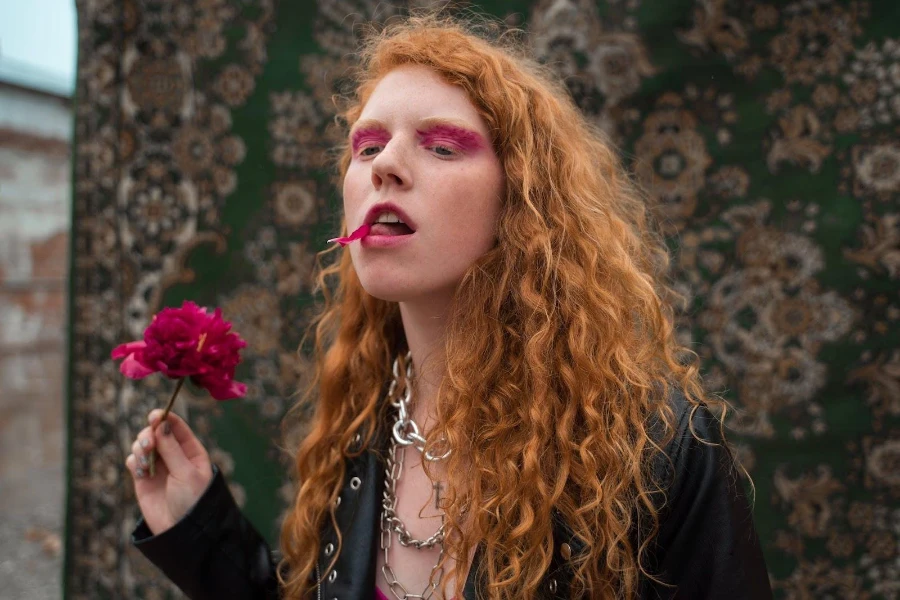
<point>383,221</point>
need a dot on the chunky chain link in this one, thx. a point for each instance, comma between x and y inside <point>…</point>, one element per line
<point>405,433</point>
<point>389,514</point>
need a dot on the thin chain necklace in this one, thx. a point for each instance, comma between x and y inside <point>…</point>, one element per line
<point>405,433</point>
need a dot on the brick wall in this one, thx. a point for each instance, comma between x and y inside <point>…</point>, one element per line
<point>34,243</point>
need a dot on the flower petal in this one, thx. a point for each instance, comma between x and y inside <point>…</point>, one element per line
<point>133,369</point>
<point>190,341</point>
<point>124,350</point>
<point>221,389</point>
<point>359,234</point>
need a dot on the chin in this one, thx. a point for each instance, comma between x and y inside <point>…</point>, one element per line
<point>386,290</point>
<point>386,295</point>
<point>390,290</point>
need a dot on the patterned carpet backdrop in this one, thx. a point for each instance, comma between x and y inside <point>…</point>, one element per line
<point>767,132</point>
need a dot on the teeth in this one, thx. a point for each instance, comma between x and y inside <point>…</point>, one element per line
<point>388,217</point>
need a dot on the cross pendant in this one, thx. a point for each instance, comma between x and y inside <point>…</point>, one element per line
<point>437,494</point>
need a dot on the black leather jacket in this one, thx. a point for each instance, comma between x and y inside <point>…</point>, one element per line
<point>706,548</point>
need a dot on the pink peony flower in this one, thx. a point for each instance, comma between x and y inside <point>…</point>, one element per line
<point>187,342</point>
<point>359,234</point>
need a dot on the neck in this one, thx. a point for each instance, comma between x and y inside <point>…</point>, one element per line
<point>423,324</point>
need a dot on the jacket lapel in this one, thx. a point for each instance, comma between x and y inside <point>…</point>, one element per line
<point>359,517</point>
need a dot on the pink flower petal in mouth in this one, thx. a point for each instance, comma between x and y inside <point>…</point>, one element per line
<point>359,234</point>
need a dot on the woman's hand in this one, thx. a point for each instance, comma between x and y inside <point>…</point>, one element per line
<point>182,471</point>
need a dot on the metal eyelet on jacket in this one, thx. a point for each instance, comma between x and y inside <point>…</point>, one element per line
<point>332,576</point>
<point>329,549</point>
<point>552,586</point>
<point>337,502</point>
<point>355,483</point>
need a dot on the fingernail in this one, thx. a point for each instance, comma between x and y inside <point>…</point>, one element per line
<point>144,460</point>
<point>139,472</point>
<point>144,442</point>
<point>167,429</point>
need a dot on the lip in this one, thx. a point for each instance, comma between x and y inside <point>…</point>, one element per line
<point>383,207</point>
<point>386,241</point>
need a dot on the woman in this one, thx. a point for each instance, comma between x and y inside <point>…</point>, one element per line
<point>502,408</point>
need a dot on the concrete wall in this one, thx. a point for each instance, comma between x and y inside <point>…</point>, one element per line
<point>35,196</point>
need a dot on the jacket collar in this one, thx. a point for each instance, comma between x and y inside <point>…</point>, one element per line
<point>359,516</point>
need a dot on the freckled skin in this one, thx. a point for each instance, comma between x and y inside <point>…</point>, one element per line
<point>421,144</point>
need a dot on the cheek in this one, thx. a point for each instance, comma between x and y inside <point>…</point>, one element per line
<point>351,189</point>
<point>475,220</point>
<point>487,197</point>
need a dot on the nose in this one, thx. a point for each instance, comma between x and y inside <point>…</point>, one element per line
<point>390,167</point>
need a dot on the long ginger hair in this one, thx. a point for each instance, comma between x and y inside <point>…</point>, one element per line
<point>560,346</point>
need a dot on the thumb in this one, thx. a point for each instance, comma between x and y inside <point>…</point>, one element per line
<point>176,443</point>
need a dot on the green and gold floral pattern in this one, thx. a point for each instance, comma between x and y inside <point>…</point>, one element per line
<point>765,134</point>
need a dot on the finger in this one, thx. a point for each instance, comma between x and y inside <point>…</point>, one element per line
<point>160,473</point>
<point>153,416</point>
<point>137,472</point>
<point>145,436</point>
<point>181,431</point>
<point>143,443</point>
<point>141,473</point>
<point>141,454</point>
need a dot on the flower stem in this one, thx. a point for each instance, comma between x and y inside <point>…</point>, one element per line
<point>163,418</point>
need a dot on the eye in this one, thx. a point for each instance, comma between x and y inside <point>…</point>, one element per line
<point>365,151</point>
<point>443,150</point>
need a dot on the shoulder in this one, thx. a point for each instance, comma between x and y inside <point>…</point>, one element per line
<point>695,448</point>
<point>693,420</point>
<point>706,545</point>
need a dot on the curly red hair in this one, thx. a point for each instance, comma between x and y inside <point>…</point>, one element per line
<point>560,348</point>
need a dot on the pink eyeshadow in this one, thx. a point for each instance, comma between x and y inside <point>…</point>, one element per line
<point>462,138</point>
<point>369,134</point>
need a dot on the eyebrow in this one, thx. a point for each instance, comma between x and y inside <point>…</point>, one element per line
<point>368,125</point>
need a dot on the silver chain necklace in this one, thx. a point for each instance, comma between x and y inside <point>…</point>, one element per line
<point>405,433</point>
